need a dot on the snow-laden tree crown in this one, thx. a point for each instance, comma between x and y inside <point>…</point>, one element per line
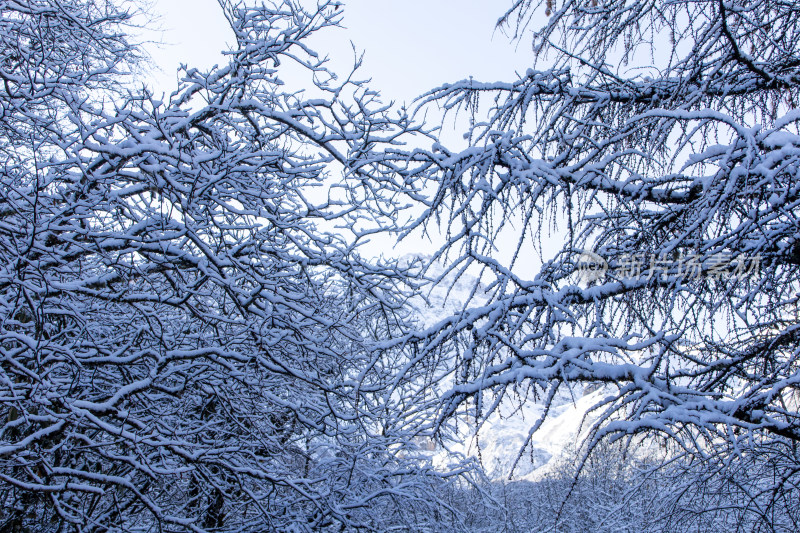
<point>186,344</point>
<point>659,150</point>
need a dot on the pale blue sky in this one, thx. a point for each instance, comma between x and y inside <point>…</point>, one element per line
<point>410,45</point>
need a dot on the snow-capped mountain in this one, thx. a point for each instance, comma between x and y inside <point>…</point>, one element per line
<point>503,442</point>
